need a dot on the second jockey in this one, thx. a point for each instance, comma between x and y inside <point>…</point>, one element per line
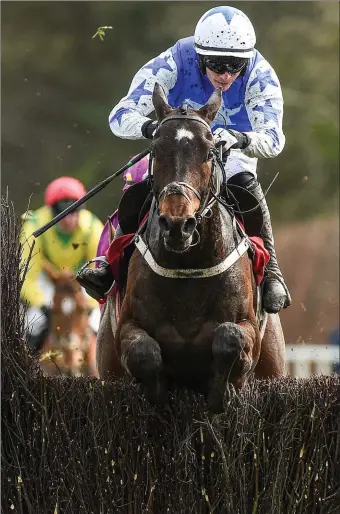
<point>64,247</point>
<point>221,54</point>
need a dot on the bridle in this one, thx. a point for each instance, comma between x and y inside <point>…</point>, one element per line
<point>179,188</point>
<point>213,195</point>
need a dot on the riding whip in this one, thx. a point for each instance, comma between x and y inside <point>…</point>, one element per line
<point>91,193</point>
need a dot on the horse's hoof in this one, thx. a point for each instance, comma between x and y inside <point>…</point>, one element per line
<point>155,392</point>
<point>215,402</point>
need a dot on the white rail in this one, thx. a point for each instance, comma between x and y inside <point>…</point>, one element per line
<point>304,360</point>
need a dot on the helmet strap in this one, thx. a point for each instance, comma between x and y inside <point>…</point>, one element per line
<point>201,64</point>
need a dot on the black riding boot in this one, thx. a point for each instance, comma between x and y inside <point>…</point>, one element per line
<point>38,333</point>
<point>97,282</point>
<point>35,342</point>
<point>275,292</point>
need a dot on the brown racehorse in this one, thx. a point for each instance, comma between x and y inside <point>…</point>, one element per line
<point>188,315</point>
<point>71,345</point>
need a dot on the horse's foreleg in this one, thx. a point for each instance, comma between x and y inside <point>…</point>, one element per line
<point>271,363</point>
<point>91,356</point>
<point>107,360</point>
<point>235,350</point>
<point>141,357</point>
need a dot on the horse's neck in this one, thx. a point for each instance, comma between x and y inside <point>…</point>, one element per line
<point>75,298</point>
<point>216,242</point>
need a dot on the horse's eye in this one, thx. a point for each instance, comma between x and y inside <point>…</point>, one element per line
<point>210,155</point>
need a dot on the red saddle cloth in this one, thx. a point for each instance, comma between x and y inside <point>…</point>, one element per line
<point>115,255</point>
<point>260,259</point>
<point>260,256</point>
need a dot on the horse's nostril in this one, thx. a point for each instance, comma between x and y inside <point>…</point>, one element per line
<point>190,225</point>
<point>163,223</point>
<point>178,228</point>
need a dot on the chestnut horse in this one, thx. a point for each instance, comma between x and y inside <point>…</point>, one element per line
<point>70,347</point>
<point>189,312</point>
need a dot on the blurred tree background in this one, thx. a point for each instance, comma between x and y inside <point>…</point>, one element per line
<point>59,86</point>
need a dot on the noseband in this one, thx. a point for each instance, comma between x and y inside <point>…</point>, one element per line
<point>178,188</point>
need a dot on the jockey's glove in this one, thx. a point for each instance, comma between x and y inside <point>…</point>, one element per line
<point>230,139</point>
<point>148,129</point>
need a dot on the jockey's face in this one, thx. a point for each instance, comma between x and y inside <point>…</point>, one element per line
<point>69,224</point>
<point>221,81</point>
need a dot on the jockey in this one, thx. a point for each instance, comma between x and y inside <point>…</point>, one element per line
<point>64,247</point>
<point>221,54</point>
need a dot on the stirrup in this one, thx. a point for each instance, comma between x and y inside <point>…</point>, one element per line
<point>279,279</point>
<point>270,274</point>
<point>100,258</point>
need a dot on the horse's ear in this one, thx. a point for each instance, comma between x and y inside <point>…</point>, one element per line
<point>159,100</point>
<point>210,109</point>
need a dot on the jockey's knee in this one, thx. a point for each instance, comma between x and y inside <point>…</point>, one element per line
<point>244,179</point>
<point>247,191</point>
<point>143,358</point>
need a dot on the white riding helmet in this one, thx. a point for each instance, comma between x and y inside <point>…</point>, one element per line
<point>225,31</point>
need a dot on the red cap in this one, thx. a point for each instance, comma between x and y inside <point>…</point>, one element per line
<point>64,188</point>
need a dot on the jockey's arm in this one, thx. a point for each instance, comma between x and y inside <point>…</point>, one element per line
<point>131,113</point>
<point>264,104</point>
<point>31,292</point>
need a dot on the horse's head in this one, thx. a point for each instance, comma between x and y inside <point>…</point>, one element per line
<point>67,293</point>
<point>182,163</point>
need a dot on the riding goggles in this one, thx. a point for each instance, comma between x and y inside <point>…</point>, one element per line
<point>229,64</point>
<point>59,207</point>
